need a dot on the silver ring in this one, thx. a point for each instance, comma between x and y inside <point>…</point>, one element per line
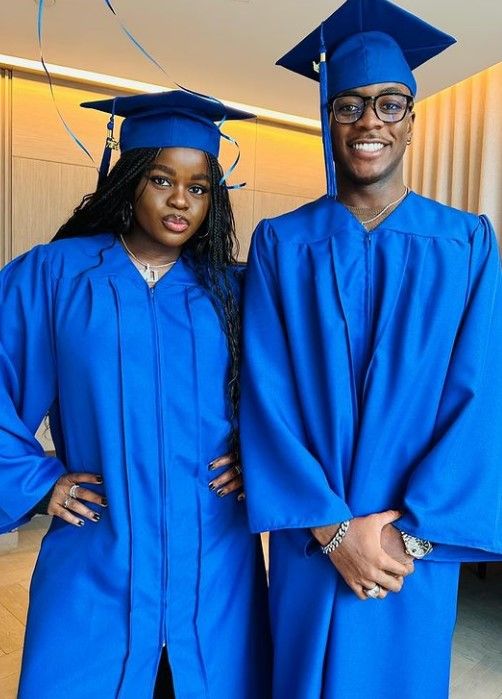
<point>67,502</point>
<point>73,490</point>
<point>373,592</point>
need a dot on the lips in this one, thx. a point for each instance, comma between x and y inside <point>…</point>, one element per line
<point>175,224</point>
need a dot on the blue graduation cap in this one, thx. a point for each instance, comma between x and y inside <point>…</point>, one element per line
<point>363,43</point>
<point>173,119</point>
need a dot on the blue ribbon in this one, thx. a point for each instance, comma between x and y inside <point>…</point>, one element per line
<point>147,55</point>
<point>40,15</point>
<point>329,162</point>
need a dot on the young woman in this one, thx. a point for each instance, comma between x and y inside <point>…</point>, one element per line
<point>126,327</point>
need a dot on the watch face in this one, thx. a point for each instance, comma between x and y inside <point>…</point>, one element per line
<point>416,547</point>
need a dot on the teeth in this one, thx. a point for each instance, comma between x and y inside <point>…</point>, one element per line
<point>368,147</point>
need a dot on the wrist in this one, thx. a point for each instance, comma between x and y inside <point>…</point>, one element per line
<point>324,535</point>
<point>414,546</point>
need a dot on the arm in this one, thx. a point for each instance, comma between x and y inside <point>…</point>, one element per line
<point>454,496</point>
<point>286,487</point>
<point>27,386</point>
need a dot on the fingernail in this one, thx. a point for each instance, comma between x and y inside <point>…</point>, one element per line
<point>104,502</point>
<point>96,517</point>
<point>241,497</point>
<point>221,492</point>
<point>212,486</point>
<point>99,479</point>
<point>80,523</point>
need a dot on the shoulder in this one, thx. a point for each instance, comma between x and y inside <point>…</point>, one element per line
<point>303,224</point>
<point>433,219</point>
<point>66,257</point>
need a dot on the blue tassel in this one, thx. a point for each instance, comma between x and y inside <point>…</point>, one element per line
<point>329,162</point>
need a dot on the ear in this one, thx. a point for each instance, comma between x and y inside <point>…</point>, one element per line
<point>409,128</point>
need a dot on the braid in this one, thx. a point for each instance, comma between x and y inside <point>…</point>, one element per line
<point>110,207</point>
<point>214,251</point>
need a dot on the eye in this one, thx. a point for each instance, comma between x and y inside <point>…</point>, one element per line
<point>160,181</point>
<point>392,104</point>
<point>198,189</point>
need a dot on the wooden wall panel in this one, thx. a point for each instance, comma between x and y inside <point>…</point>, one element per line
<point>5,165</point>
<point>289,161</point>
<point>45,194</point>
<point>268,205</point>
<point>37,130</point>
<point>243,207</point>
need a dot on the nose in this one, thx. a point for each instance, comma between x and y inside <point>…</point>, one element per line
<point>177,198</point>
<point>369,119</point>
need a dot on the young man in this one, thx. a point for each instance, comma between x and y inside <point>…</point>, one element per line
<point>372,387</point>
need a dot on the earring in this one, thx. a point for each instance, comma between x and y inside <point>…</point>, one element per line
<point>408,142</point>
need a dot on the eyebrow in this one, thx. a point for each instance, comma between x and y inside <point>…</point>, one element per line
<point>170,171</point>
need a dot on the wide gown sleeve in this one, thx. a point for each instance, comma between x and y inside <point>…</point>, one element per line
<point>286,486</point>
<point>454,496</point>
<point>27,386</point>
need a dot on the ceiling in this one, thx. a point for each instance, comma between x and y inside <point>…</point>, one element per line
<point>227,48</point>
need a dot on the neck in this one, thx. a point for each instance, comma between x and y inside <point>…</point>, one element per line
<point>369,196</point>
<point>150,251</point>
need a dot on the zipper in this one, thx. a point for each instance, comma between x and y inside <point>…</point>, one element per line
<point>163,478</point>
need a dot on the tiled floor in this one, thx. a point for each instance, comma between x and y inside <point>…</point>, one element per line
<point>477,657</point>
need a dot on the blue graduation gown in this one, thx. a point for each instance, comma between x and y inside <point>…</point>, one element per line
<point>372,380</point>
<point>139,381</point>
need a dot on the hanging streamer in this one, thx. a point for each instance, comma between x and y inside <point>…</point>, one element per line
<point>149,57</point>
<point>40,17</point>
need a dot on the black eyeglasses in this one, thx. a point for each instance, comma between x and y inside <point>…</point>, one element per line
<point>389,107</point>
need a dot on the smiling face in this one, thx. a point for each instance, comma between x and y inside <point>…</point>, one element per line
<point>371,151</point>
<point>171,202</point>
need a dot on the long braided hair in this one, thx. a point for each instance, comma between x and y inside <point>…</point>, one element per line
<point>212,251</point>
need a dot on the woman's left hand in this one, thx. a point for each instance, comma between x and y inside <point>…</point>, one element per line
<point>230,481</point>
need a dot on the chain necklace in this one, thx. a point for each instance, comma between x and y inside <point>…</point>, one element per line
<point>385,208</point>
<point>150,272</point>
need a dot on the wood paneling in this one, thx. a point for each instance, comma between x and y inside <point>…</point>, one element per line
<point>37,130</point>
<point>5,165</point>
<point>289,161</point>
<point>45,194</point>
<point>268,205</point>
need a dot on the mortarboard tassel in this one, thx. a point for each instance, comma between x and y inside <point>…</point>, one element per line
<point>110,144</point>
<point>329,162</point>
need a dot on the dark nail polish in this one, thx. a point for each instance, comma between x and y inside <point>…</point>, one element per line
<point>220,492</point>
<point>81,522</point>
<point>96,517</point>
<point>99,479</point>
<point>212,486</point>
<point>104,502</point>
<point>241,497</point>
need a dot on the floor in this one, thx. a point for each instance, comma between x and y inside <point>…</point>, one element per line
<point>477,656</point>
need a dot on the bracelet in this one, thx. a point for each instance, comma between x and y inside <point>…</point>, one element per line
<point>337,539</point>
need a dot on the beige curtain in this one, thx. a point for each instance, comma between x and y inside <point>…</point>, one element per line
<point>456,155</point>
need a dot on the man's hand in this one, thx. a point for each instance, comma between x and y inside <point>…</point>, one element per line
<point>361,558</point>
<point>392,543</point>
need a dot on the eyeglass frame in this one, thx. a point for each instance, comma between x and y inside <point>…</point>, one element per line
<point>372,99</point>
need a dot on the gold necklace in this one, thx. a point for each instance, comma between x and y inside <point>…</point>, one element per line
<point>385,208</point>
<point>150,273</point>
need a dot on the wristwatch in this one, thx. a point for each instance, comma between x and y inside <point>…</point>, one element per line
<point>418,548</point>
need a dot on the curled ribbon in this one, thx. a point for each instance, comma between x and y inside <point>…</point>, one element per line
<point>149,57</point>
<point>40,16</point>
